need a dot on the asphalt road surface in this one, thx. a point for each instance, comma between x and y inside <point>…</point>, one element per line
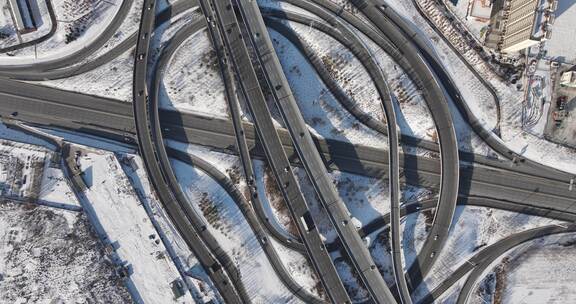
<point>216,262</point>
<point>114,119</point>
<point>309,156</point>
<point>225,20</point>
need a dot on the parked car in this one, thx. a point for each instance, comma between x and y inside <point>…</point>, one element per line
<point>561,102</point>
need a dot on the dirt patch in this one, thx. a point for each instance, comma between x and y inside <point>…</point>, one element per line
<point>277,201</point>
<point>212,214</point>
<point>493,286</point>
<point>500,272</point>
<point>234,174</point>
<point>429,218</point>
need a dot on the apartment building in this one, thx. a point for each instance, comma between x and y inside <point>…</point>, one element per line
<point>518,24</point>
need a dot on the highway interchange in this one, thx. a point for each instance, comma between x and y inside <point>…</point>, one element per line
<point>252,73</point>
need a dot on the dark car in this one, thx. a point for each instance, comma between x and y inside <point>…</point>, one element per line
<point>561,102</point>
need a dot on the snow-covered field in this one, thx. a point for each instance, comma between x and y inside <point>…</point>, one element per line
<point>184,259</point>
<point>55,188</point>
<point>192,80</point>
<point>473,228</point>
<point>79,22</point>
<point>524,143</point>
<point>116,211</point>
<point>227,224</point>
<point>541,271</point>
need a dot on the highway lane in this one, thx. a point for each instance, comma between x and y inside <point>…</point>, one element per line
<point>225,20</point>
<point>114,119</point>
<point>428,204</point>
<point>275,260</point>
<point>270,223</point>
<point>53,27</point>
<point>189,223</point>
<point>165,56</point>
<point>489,137</point>
<point>491,89</point>
<point>423,77</point>
<point>486,256</point>
<point>277,84</point>
<point>393,170</point>
<point>14,70</point>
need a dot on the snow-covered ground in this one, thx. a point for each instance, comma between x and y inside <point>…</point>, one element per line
<point>38,245</point>
<point>319,108</point>
<point>55,188</point>
<point>79,22</point>
<point>473,228</point>
<point>541,271</point>
<point>464,12</point>
<point>524,143</point>
<point>9,36</point>
<point>192,80</point>
<point>227,224</point>
<point>538,98</point>
<point>116,211</point>
<point>114,79</point>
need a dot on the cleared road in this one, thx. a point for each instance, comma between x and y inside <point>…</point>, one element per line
<point>417,69</point>
<point>114,119</point>
<point>487,255</point>
<point>225,20</point>
<point>277,84</point>
<point>243,149</point>
<point>354,44</point>
<point>216,262</point>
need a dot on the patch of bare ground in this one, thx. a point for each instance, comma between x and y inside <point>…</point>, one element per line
<point>351,280</point>
<point>212,214</point>
<point>234,174</point>
<point>493,286</point>
<point>403,94</point>
<point>500,271</point>
<point>429,218</point>
<point>277,201</point>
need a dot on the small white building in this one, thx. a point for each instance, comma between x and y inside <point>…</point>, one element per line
<point>568,79</point>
